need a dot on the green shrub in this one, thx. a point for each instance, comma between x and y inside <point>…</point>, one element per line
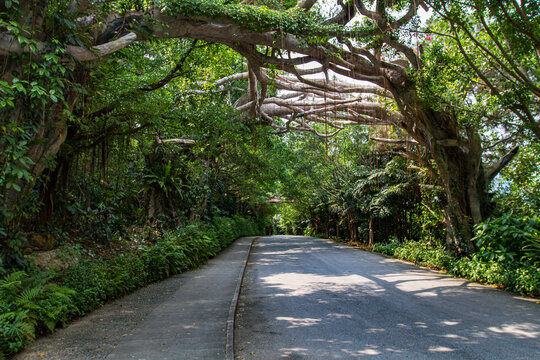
<point>165,259</point>
<point>509,238</point>
<point>531,249</point>
<point>86,278</point>
<point>387,248</point>
<point>516,276</point>
<point>226,230</point>
<point>419,252</point>
<point>31,305</point>
<point>526,280</point>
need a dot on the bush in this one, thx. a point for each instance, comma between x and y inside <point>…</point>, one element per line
<point>509,237</point>
<point>516,276</point>
<point>31,304</point>
<point>417,252</point>
<point>387,248</point>
<point>30,307</point>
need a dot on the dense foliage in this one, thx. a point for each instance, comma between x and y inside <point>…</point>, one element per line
<point>520,277</point>
<point>36,302</point>
<point>132,132</point>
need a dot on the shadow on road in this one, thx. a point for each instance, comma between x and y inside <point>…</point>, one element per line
<point>311,298</point>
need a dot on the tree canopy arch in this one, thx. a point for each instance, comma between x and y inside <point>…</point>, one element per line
<point>385,72</point>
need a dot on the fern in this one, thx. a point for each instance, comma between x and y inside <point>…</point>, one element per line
<point>28,296</point>
<point>50,324</point>
<point>21,326</point>
<point>29,306</point>
<point>16,330</point>
<point>11,284</point>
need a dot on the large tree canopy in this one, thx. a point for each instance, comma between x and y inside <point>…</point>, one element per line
<point>310,66</point>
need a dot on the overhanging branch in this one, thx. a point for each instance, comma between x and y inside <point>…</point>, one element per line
<point>10,45</point>
<point>494,169</point>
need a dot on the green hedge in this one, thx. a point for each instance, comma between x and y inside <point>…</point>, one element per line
<point>37,303</point>
<point>515,276</point>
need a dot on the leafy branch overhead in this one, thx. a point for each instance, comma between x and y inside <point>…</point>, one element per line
<point>316,69</point>
<point>139,138</point>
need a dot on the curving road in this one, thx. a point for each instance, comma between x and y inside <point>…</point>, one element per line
<point>307,298</point>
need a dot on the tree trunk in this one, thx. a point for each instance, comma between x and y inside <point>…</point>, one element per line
<point>353,231</point>
<point>46,196</point>
<point>50,133</point>
<point>371,233</point>
<point>327,228</point>
<point>457,154</point>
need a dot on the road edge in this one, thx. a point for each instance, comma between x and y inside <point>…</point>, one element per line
<point>438,271</point>
<point>229,345</point>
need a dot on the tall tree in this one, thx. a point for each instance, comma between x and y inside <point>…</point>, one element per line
<point>367,44</point>
<point>499,41</point>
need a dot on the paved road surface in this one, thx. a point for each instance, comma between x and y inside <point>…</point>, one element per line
<point>306,298</point>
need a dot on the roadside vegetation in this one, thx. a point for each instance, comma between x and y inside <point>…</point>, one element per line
<point>519,276</point>
<point>35,302</point>
<point>387,204</point>
<point>138,139</point>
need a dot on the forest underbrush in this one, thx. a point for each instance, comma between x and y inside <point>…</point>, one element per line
<point>516,276</point>
<point>36,301</point>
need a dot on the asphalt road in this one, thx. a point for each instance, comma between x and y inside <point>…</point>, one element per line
<point>306,298</point>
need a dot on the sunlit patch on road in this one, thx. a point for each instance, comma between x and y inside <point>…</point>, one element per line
<point>371,350</point>
<point>438,349</point>
<point>520,331</point>
<point>298,322</point>
<point>297,284</point>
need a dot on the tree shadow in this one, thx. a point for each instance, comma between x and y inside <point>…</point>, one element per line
<point>316,299</point>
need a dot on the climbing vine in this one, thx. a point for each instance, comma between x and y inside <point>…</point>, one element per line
<point>293,21</point>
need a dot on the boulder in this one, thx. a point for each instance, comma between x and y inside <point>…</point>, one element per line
<point>42,242</point>
<point>56,259</point>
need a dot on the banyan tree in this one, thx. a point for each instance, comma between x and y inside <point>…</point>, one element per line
<point>311,66</point>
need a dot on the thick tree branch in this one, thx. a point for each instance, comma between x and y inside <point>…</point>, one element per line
<point>395,141</point>
<point>10,45</point>
<point>306,4</point>
<point>494,169</point>
<point>347,13</point>
<point>175,141</point>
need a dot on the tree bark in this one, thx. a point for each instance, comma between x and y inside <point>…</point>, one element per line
<point>353,231</point>
<point>371,240</point>
<point>457,154</point>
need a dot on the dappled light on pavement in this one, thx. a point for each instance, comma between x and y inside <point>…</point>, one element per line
<point>294,284</point>
<point>306,298</point>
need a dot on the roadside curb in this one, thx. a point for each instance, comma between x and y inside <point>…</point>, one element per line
<point>229,346</point>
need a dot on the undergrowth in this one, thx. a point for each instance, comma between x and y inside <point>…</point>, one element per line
<point>36,303</point>
<point>517,276</point>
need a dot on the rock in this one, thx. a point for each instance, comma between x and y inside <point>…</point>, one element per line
<point>53,259</point>
<point>42,242</point>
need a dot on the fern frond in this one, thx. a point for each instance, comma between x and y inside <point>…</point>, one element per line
<point>50,324</point>
<point>28,296</point>
<point>11,284</point>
